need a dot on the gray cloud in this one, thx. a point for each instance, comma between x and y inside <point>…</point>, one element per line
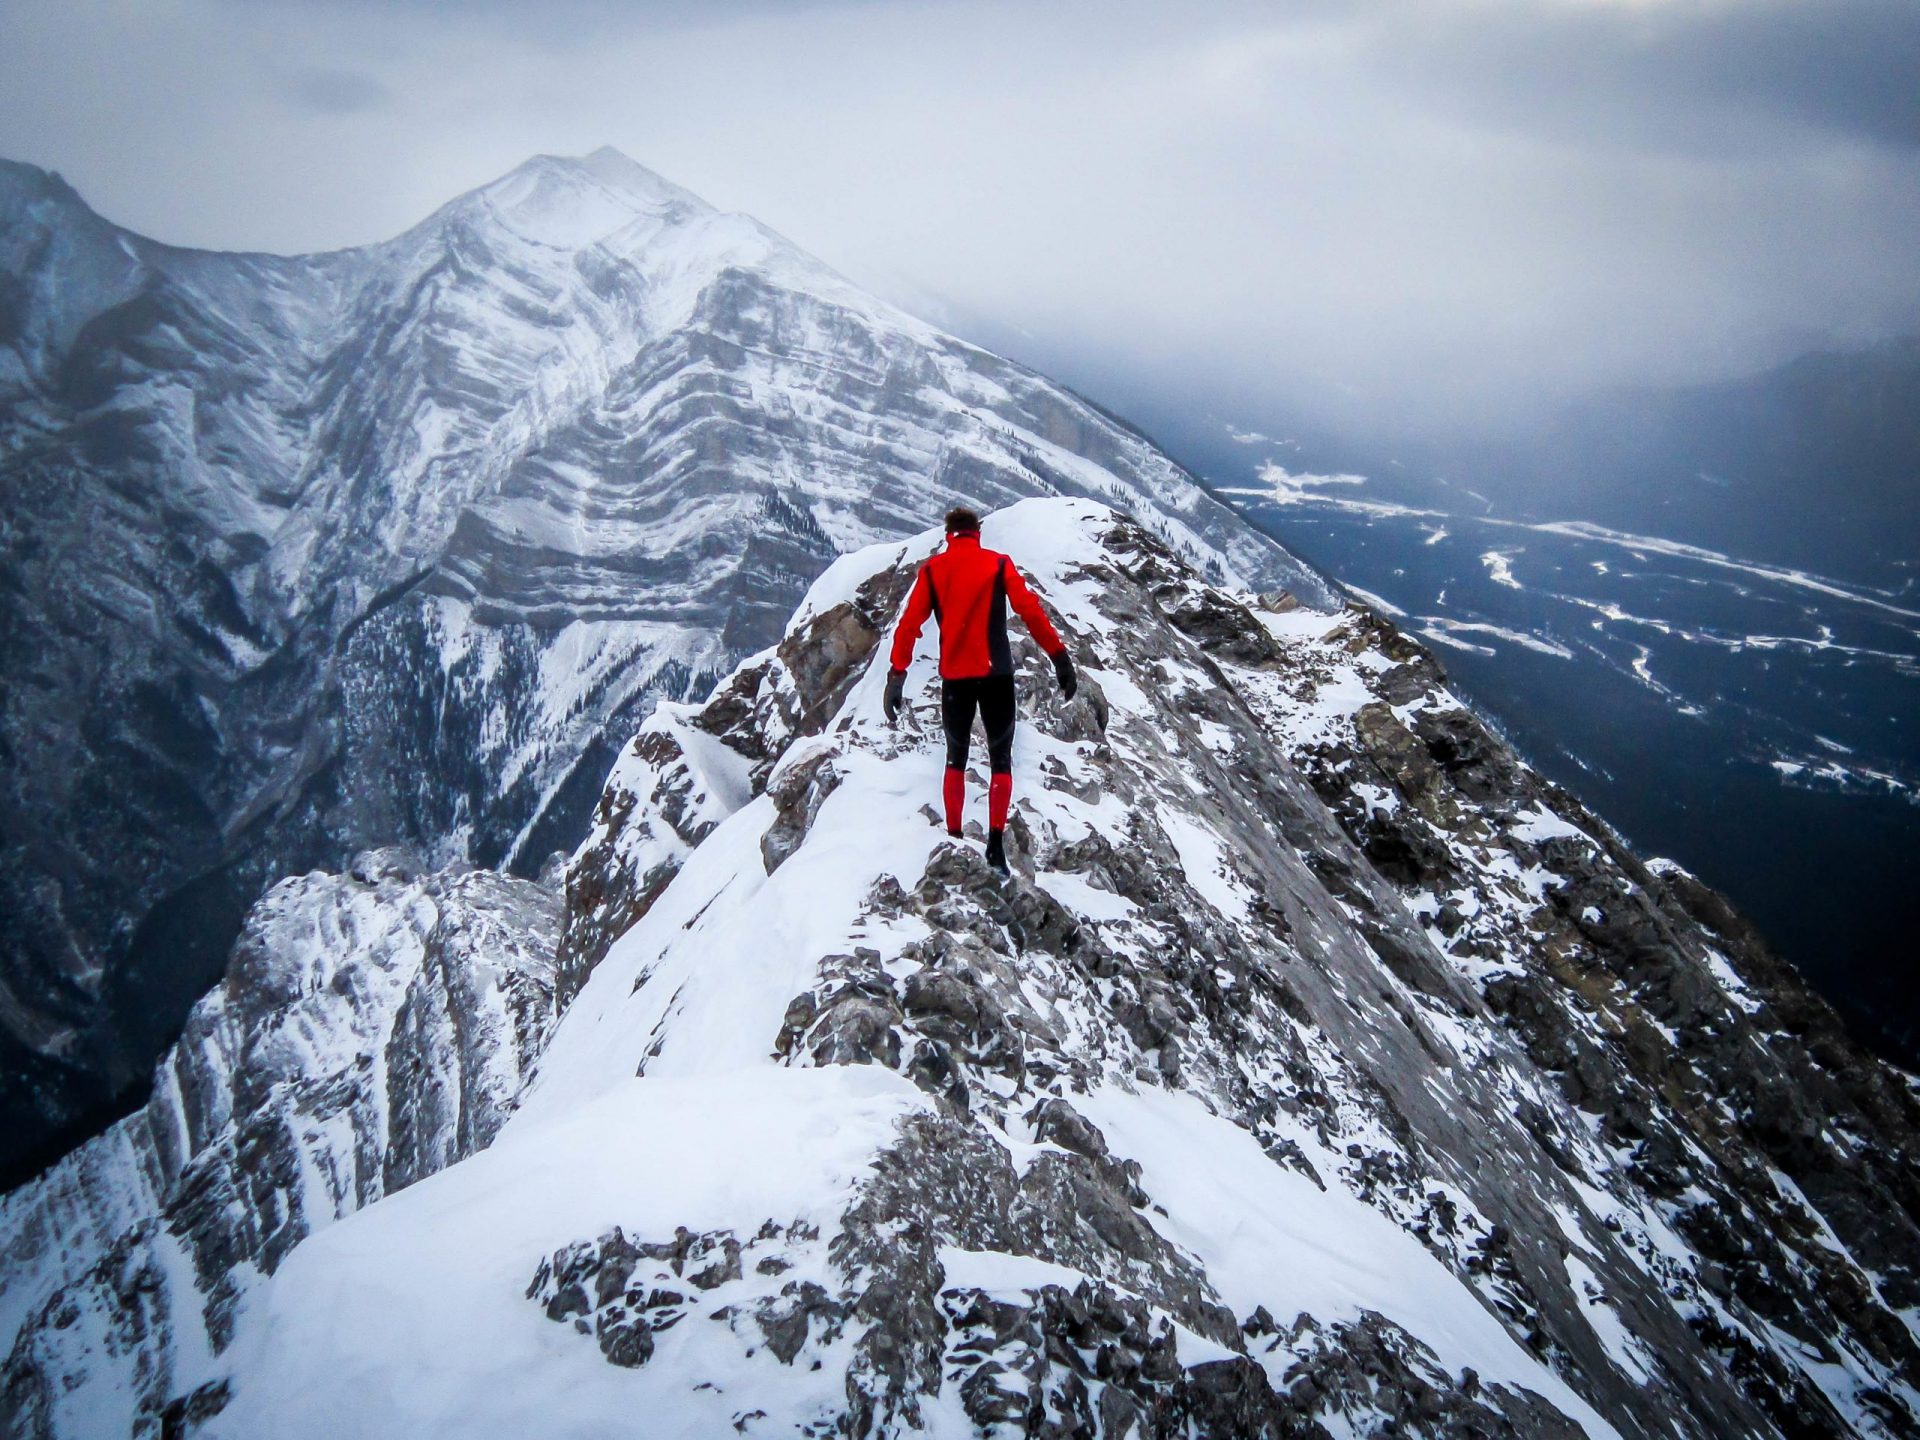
<point>1395,207</point>
<point>338,92</point>
<point>1693,75</point>
<point>569,24</point>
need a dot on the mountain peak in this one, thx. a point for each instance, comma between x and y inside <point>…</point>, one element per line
<point>616,170</point>
<point>23,183</point>
<point>573,201</point>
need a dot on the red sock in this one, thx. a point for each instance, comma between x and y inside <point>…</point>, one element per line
<point>999,797</point>
<point>954,792</point>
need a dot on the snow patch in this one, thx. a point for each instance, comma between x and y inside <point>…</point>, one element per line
<point>1269,1236</point>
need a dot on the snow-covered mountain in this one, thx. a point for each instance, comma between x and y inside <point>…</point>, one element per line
<point>1320,1071</point>
<point>372,1028</point>
<point>398,545</point>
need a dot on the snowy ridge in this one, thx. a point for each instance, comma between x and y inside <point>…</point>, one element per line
<point>1319,1070</point>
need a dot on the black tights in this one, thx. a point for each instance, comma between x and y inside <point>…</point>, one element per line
<point>992,696</point>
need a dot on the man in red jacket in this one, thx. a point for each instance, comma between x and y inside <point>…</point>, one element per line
<point>967,589</point>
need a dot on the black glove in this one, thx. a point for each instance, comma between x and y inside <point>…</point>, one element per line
<point>1063,672</point>
<point>896,690</point>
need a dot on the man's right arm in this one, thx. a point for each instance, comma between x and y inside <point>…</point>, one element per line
<point>912,620</point>
<point>905,635</point>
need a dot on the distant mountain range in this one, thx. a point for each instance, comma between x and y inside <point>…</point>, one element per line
<point>1814,463</point>
<point>1700,606</point>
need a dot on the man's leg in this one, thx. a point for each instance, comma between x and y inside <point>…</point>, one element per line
<point>957,701</point>
<point>997,712</point>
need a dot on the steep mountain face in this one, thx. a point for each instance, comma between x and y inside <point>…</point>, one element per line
<point>372,1028</point>
<point>1319,1071</point>
<point>400,544</point>
<point>1650,577</point>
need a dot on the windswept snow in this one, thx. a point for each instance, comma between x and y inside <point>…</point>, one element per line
<point>1499,565</point>
<point>1439,627</point>
<point>412,1321</point>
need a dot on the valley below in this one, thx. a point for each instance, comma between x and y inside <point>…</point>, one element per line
<point>1754,720</point>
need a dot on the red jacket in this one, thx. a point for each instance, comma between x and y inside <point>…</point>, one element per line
<point>967,588</point>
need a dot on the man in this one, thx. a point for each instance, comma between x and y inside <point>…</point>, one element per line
<point>967,589</point>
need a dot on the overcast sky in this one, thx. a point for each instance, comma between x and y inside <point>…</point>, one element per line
<point>1420,206</point>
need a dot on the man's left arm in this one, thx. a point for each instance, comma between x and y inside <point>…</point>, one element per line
<point>1027,606</point>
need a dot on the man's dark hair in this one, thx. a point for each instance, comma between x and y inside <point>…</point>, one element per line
<point>962,520</point>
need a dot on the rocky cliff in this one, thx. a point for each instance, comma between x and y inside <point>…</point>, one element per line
<point>1319,1071</point>
<point>373,1027</point>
